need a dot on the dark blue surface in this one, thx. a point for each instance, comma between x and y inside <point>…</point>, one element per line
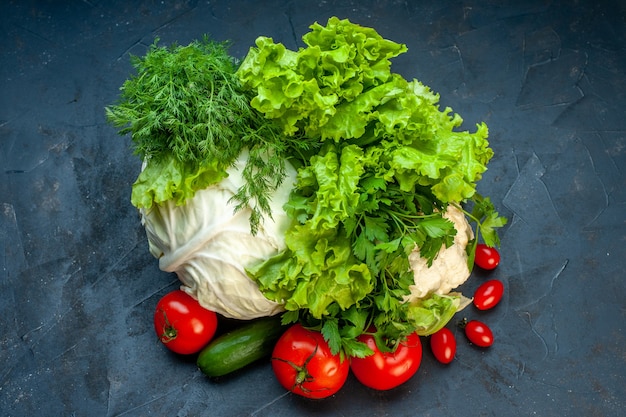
<point>78,285</point>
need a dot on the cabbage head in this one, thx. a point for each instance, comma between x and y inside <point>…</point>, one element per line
<point>208,244</point>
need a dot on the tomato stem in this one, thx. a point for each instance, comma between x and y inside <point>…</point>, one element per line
<point>302,371</point>
<point>169,331</point>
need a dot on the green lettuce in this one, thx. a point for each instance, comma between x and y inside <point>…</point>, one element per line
<point>319,267</point>
<point>389,164</point>
<point>167,179</point>
<point>341,88</point>
<point>432,313</point>
<point>303,89</point>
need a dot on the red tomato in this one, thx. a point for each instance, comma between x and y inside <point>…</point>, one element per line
<point>479,333</point>
<point>387,370</point>
<point>488,294</point>
<point>443,345</point>
<point>486,257</point>
<point>182,324</point>
<point>304,365</point>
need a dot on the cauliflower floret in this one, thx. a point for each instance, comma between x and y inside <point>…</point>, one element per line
<point>208,245</point>
<point>449,269</point>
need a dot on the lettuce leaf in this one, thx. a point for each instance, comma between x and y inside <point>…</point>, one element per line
<point>302,89</point>
<point>432,313</point>
<point>313,274</point>
<point>318,267</point>
<point>166,179</point>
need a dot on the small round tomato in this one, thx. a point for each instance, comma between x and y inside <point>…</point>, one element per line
<point>303,364</point>
<point>443,345</point>
<point>182,324</point>
<point>387,370</point>
<point>488,294</point>
<point>486,257</point>
<point>479,333</point>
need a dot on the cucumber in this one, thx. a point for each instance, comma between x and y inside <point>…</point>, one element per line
<point>242,346</point>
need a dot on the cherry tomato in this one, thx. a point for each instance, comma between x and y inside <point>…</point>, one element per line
<point>182,324</point>
<point>387,370</point>
<point>443,345</point>
<point>488,294</point>
<point>303,364</point>
<point>486,257</point>
<point>479,333</point>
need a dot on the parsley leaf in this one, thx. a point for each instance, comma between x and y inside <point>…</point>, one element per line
<point>487,220</point>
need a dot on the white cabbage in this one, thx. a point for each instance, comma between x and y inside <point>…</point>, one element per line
<point>449,269</point>
<point>209,245</point>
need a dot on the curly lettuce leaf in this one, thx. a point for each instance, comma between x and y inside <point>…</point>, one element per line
<point>319,268</point>
<point>302,89</point>
<point>421,146</point>
<point>314,273</point>
<point>166,179</point>
<point>395,120</point>
<point>431,314</point>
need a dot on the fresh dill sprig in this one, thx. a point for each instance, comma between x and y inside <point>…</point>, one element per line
<point>186,103</point>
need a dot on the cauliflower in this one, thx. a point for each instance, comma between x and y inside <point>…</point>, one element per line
<point>449,269</point>
<point>208,245</point>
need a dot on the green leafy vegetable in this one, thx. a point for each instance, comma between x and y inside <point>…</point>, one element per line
<point>431,314</point>
<point>391,163</point>
<point>320,267</point>
<point>303,89</point>
<point>189,120</point>
<point>166,179</point>
<point>378,166</point>
<point>396,121</point>
<point>487,221</point>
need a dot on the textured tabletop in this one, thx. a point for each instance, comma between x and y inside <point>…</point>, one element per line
<point>78,285</point>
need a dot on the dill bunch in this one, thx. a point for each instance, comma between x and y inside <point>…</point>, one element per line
<point>185,108</point>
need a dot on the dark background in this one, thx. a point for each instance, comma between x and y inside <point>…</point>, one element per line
<point>78,285</point>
